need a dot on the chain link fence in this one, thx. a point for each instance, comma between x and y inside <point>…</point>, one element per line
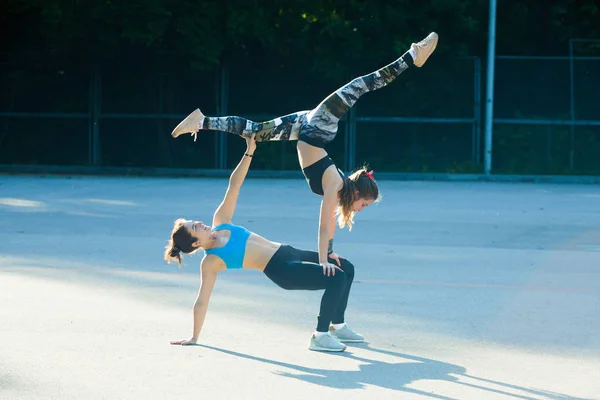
<point>428,121</point>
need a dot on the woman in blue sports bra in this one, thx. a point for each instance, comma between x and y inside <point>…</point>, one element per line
<point>229,246</point>
<point>314,129</point>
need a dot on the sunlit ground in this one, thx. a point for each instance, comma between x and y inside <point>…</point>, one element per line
<point>463,290</point>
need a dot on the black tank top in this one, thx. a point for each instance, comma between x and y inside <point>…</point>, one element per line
<point>314,174</point>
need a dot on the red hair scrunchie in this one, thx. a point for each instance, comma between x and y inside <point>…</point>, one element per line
<point>369,174</point>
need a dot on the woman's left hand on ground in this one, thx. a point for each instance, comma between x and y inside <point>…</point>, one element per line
<point>336,257</point>
<point>251,144</point>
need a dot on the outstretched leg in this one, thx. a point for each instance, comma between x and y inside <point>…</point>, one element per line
<point>322,121</point>
<point>282,128</point>
<point>318,126</point>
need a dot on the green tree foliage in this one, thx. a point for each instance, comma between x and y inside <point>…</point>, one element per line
<point>332,33</point>
<point>211,31</point>
<point>531,27</point>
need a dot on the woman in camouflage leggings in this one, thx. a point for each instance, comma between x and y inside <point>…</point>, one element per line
<point>314,129</point>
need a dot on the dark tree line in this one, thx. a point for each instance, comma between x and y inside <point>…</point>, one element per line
<point>331,33</point>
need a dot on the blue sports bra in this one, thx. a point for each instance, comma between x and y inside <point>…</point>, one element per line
<point>233,252</point>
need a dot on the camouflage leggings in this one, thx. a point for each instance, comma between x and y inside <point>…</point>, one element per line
<point>319,125</point>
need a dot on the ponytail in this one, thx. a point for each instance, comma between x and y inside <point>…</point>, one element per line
<point>359,185</point>
<point>180,242</point>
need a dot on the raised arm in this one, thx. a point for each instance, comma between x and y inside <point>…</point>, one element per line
<point>209,277</point>
<point>225,211</point>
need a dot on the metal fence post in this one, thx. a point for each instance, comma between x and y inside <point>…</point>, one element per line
<point>477,110</point>
<point>222,91</point>
<point>94,116</point>
<point>572,105</point>
<point>489,105</point>
<point>347,143</point>
<point>224,109</point>
<point>91,120</point>
<point>352,138</point>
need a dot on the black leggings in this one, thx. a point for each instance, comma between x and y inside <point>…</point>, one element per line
<point>294,269</point>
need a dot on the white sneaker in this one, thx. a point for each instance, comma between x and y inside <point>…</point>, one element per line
<point>424,49</point>
<point>325,342</point>
<point>190,124</point>
<point>345,334</point>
